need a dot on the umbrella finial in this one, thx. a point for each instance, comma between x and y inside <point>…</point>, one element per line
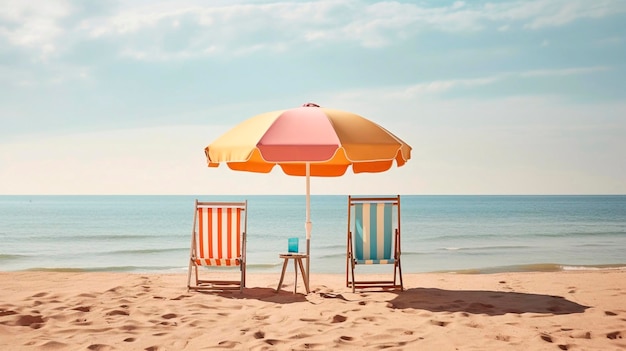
<point>310,104</point>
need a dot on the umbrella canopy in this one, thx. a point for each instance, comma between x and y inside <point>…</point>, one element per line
<point>329,140</point>
<point>308,141</point>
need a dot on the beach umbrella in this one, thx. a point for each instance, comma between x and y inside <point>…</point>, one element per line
<point>308,141</point>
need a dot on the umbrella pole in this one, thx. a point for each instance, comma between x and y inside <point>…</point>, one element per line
<point>308,225</point>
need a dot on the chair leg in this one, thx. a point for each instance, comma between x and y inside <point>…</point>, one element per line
<point>353,279</point>
<point>347,259</point>
<point>242,282</point>
<point>189,276</point>
<point>347,270</point>
<point>400,271</point>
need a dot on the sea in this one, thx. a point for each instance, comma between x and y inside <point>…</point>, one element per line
<point>463,234</point>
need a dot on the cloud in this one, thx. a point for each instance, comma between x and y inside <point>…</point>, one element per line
<point>33,24</point>
<point>442,86</point>
<point>175,30</point>
<point>611,41</point>
<point>563,71</point>
<point>446,85</point>
<point>557,13</point>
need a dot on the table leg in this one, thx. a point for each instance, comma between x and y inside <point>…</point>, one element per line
<point>295,269</point>
<point>305,278</point>
<point>282,275</point>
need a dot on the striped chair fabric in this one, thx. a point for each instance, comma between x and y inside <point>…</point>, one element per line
<point>218,236</point>
<point>374,233</point>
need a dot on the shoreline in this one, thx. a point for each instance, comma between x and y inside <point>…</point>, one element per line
<point>520,268</point>
<point>566,310</point>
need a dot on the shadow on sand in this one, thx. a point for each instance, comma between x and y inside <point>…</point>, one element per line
<point>430,299</point>
<point>483,302</point>
<point>262,294</point>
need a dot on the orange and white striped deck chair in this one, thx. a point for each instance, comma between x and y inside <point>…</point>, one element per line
<point>374,239</point>
<point>218,239</point>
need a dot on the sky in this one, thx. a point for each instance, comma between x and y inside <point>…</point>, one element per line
<point>498,97</point>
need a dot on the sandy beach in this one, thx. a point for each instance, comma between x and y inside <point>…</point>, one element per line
<point>574,310</point>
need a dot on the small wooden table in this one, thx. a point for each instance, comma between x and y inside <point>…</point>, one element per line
<point>297,261</point>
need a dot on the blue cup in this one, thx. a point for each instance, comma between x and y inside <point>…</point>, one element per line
<point>293,244</point>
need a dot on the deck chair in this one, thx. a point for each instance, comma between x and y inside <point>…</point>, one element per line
<point>373,240</point>
<point>218,239</point>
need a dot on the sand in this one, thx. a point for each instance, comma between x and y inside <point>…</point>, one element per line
<point>575,310</point>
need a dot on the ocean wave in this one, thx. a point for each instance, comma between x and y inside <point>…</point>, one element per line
<point>263,265</point>
<point>593,267</point>
<point>341,245</point>
<point>55,269</point>
<point>536,267</point>
<point>10,257</point>
<point>143,251</point>
<point>103,269</point>
<point>413,253</point>
<point>94,237</point>
<point>333,255</point>
<point>487,248</point>
<point>524,235</point>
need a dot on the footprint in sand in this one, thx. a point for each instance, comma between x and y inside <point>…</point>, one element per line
<point>228,344</point>
<point>439,323</point>
<point>81,321</point>
<point>614,335</point>
<point>546,338</point>
<point>581,335</point>
<point>87,295</point>
<point>339,318</point>
<point>181,297</point>
<point>34,321</point>
<point>117,313</point>
<point>6,313</point>
<point>311,346</point>
<point>501,337</point>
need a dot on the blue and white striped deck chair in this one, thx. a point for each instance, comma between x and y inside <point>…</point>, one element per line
<point>373,240</point>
